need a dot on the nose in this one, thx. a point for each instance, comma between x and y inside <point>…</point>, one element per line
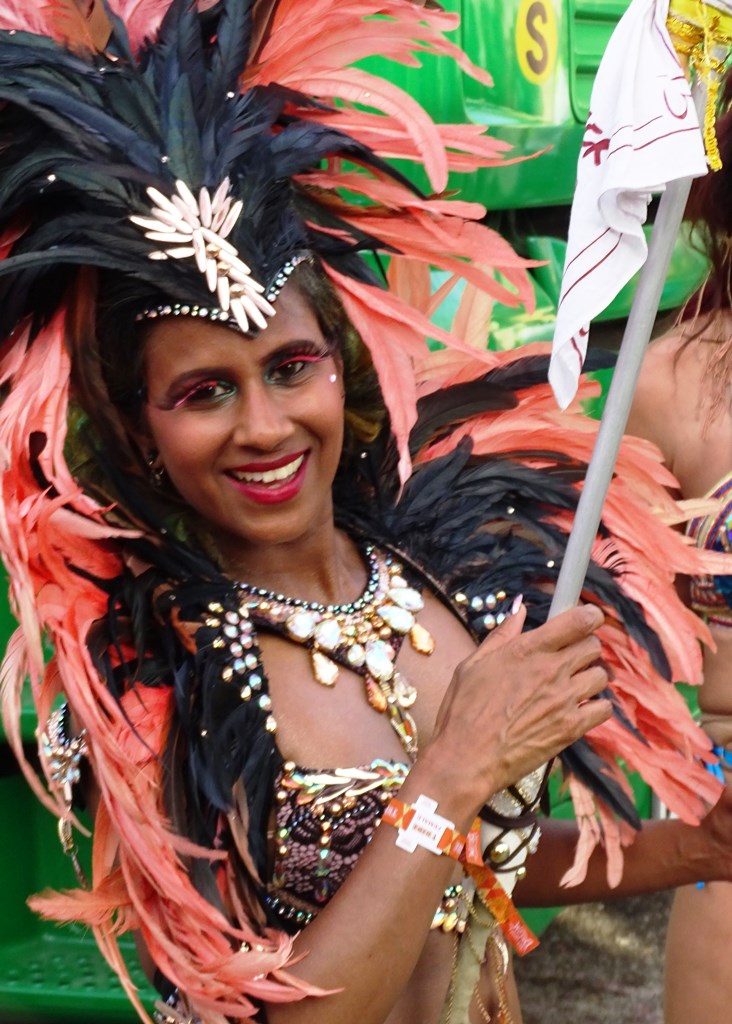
<point>263,421</point>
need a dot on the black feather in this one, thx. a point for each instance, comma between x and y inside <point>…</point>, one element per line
<point>453,405</point>
<point>581,760</point>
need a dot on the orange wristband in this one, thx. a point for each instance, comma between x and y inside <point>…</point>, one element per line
<point>421,825</point>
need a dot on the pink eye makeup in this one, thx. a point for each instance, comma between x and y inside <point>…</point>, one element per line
<point>302,358</point>
<point>199,391</point>
<point>206,387</point>
<point>286,366</point>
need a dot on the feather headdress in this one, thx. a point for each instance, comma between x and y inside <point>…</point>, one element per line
<point>197,156</point>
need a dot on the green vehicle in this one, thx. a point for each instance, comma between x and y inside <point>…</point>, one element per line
<point>543,55</point>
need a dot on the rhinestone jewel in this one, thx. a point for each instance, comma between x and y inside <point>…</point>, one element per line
<point>380,660</point>
<point>407,598</point>
<point>324,670</point>
<point>404,692</point>
<point>328,634</point>
<point>301,624</point>
<point>375,696</point>
<point>398,618</point>
<point>356,655</point>
<point>421,639</point>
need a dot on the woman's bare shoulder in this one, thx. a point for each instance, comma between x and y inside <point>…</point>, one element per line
<point>660,390</point>
<point>673,402</point>
<point>677,367</point>
<point>673,361</point>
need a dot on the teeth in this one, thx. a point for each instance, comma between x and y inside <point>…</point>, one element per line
<point>271,476</point>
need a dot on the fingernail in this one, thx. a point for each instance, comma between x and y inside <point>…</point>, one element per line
<point>517,602</point>
<point>592,614</point>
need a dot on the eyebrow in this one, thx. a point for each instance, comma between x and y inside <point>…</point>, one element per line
<point>219,370</point>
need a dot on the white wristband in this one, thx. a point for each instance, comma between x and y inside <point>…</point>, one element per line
<point>426,827</point>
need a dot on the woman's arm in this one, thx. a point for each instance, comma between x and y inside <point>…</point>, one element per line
<point>664,855</point>
<point>368,940</point>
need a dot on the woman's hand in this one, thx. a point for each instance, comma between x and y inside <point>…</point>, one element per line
<point>520,699</point>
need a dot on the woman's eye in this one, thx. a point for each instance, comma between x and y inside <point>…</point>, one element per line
<point>203,392</point>
<point>287,371</point>
<point>292,368</point>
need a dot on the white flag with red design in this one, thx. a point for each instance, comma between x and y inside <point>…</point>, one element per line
<point>642,132</point>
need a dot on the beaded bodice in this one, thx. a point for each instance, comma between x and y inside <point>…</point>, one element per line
<point>324,821</point>
<point>364,636</point>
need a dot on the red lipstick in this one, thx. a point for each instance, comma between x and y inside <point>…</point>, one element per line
<point>271,492</point>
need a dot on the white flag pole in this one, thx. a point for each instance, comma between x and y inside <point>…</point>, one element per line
<point>633,347</point>
<point>620,397</point>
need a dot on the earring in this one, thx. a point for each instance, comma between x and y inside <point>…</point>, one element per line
<point>157,472</point>
<point>333,378</point>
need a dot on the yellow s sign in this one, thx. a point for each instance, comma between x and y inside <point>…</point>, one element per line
<point>536,39</point>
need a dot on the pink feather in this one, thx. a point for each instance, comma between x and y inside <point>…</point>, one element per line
<point>62,20</point>
<point>141,17</point>
<point>394,29</point>
<point>23,16</point>
<point>297,53</point>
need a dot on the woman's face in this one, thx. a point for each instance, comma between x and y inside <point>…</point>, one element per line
<point>249,430</point>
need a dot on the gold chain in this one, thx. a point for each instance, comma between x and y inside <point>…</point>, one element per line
<point>453,971</point>
<point>496,961</point>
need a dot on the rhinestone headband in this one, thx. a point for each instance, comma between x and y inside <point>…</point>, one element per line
<point>215,313</point>
<point>198,228</point>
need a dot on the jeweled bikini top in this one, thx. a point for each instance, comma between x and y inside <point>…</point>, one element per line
<point>324,821</point>
<point>711,596</point>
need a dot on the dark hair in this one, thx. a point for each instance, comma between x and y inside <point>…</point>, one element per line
<point>107,345</point>
<point>710,210</point>
<point>365,412</point>
<point>704,316</point>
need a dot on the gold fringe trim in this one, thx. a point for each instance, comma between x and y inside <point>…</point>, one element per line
<point>698,30</point>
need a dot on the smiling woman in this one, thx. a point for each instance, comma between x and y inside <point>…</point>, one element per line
<point>286,553</point>
<point>249,435</point>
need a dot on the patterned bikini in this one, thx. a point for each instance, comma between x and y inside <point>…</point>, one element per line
<point>711,597</point>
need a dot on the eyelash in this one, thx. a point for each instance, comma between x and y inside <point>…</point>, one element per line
<point>306,357</point>
<point>201,391</point>
<point>197,393</point>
